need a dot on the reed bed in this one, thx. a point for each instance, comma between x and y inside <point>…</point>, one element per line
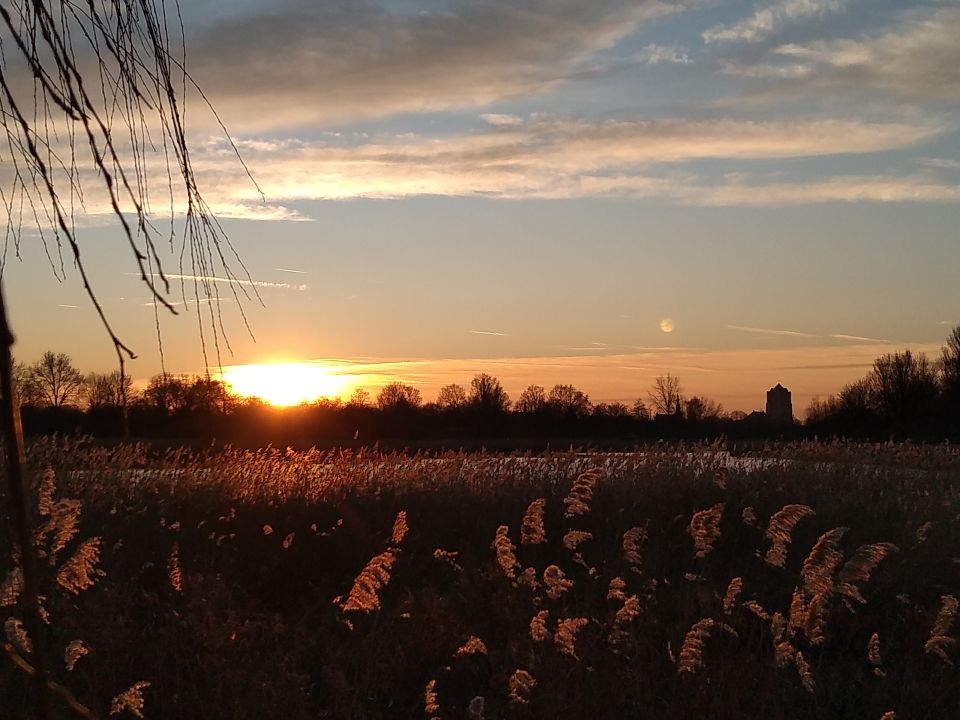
<point>793,581</point>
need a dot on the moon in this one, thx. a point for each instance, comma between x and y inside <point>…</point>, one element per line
<point>666,325</point>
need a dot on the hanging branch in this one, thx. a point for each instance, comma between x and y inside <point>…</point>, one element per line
<point>93,89</point>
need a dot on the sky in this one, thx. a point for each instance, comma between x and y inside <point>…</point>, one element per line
<point>531,189</point>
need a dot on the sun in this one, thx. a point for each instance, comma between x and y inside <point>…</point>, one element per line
<point>666,325</point>
<point>285,384</point>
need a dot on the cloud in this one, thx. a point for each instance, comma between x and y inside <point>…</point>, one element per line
<point>303,62</point>
<point>201,301</point>
<point>64,305</point>
<point>771,19</point>
<point>289,270</point>
<point>487,332</point>
<point>661,348</point>
<point>234,281</point>
<point>654,54</point>
<point>857,338</point>
<point>941,163</point>
<point>918,60</point>
<point>556,157</point>
<point>500,120</point>
<point>767,331</point>
<point>549,157</point>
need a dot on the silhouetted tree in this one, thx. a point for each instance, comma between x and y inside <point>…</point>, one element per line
<point>640,411</point>
<point>665,396</point>
<point>532,400</point>
<point>487,395</point>
<point>698,409</point>
<point>56,381</point>
<point>950,369</point>
<point>611,410</point>
<point>207,395</point>
<point>452,397</point>
<point>167,393</point>
<point>360,398</point>
<point>398,395</point>
<point>568,402</point>
<point>24,384</point>
<point>108,389</point>
<point>821,410</point>
<point>905,386</point>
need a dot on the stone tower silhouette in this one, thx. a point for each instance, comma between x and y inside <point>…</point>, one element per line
<point>779,405</point>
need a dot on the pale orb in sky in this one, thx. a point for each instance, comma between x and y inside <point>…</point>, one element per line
<point>666,325</point>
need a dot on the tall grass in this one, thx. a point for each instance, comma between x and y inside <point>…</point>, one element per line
<point>798,581</point>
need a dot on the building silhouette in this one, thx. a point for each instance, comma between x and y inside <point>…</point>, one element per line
<point>779,405</point>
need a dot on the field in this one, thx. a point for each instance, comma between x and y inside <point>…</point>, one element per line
<point>783,581</point>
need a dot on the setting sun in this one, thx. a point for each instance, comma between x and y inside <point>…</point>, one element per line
<point>285,384</point>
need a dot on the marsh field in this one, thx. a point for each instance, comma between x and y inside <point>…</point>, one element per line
<point>803,580</point>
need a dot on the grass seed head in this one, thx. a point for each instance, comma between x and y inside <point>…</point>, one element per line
<point>705,529</point>
<point>780,531</point>
<point>520,686</point>
<point>506,552</point>
<point>532,531</point>
<point>130,699</point>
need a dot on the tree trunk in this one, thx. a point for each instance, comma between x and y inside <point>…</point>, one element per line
<point>23,534</point>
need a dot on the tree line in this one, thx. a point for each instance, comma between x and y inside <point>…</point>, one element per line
<point>905,395</point>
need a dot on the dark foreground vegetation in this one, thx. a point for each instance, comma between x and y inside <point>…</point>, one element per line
<point>795,581</point>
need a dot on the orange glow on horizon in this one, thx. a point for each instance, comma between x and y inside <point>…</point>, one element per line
<point>286,384</point>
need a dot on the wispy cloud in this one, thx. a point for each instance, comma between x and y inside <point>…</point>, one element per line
<point>592,347</point>
<point>941,163</point>
<point>289,270</point>
<point>768,331</point>
<point>372,59</point>
<point>654,54</point>
<point>64,305</point>
<point>771,19</point>
<point>917,59</point>
<point>562,157</point>
<point>234,281</point>
<point>487,332</point>
<point>191,301</point>
<point>501,120</point>
<point>857,338</point>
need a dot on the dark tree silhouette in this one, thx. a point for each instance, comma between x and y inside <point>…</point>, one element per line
<point>25,389</point>
<point>399,396</point>
<point>640,410</point>
<point>167,393</point>
<point>56,381</point>
<point>698,409</point>
<point>904,385</point>
<point>108,390</point>
<point>950,369</point>
<point>359,398</point>
<point>532,400</point>
<point>452,397</point>
<point>612,410</point>
<point>665,395</point>
<point>487,395</point>
<point>568,402</point>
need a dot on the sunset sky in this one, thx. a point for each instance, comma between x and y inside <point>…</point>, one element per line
<point>531,189</point>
